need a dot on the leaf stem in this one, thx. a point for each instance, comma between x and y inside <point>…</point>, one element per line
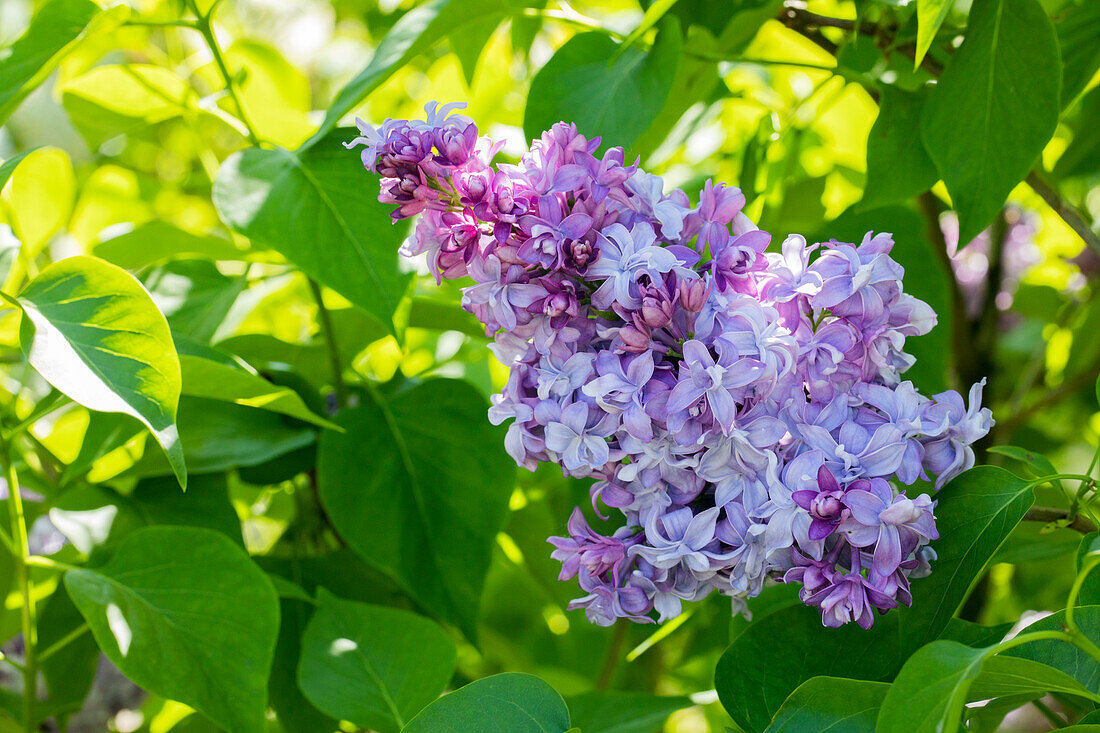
<point>55,400</point>
<point>41,561</point>
<point>163,24</point>
<point>20,555</point>
<point>202,24</point>
<point>1053,717</point>
<point>1091,561</point>
<point>333,348</point>
<point>63,642</point>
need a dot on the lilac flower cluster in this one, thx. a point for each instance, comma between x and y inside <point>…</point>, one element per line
<point>743,409</point>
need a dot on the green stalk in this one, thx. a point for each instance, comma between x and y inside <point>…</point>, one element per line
<point>20,553</point>
<point>202,24</point>
<point>333,349</point>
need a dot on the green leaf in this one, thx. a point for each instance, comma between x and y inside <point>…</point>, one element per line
<point>98,338</point>
<point>1090,588</point>
<point>156,241</point>
<point>616,101</point>
<point>293,711</point>
<point>194,296</point>
<point>221,435</point>
<point>976,512</point>
<point>517,703</point>
<point>69,671</point>
<point>184,613</point>
<point>95,517</point>
<point>831,704</point>
<point>897,169</point>
<point>419,487</point>
<point>106,432</point>
<point>931,689</point>
<point>371,665</point>
<point>1037,464</point>
<point>124,99</point>
<point>994,108</point>
<point>8,166</point>
<point>1078,29</point>
<point>212,380</point>
<point>312,207</point>
<point>622,712</point>
<point>975,635</point>
<point>415,32</point>
<point>468,43</point>
<point>55,29</point>
<point>653,15</point>
<point>1062,656</point>
<point>1003,675</point>
<point>930,16</point>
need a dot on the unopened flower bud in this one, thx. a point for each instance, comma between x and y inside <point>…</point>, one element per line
<point>693,294</point>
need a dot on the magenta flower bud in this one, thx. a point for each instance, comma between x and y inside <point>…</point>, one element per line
<point>693,294</point>
<point>580,253</point>
<point>475,186</point>
<point>826,507</point>
<point>455,144</point>
<point>634,339</point>
<point>557,304</point>
<point>465,235</point>
<point>656,312</point>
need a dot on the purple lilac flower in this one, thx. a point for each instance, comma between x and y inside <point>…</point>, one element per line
<point>743,411</point>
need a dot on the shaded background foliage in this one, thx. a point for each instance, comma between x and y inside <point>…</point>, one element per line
<point>348,508</point>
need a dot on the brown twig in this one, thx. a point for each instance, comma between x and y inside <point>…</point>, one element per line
<point>1047,514</point>
<point>1070,215</point>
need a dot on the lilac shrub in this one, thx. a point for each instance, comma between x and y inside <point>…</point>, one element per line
<point>743,409</point>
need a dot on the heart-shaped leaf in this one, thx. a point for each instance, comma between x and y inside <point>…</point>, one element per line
<point>517,703</point>
<point>831,704</point>
<point>418,485</point>
<point>617,101</point>
<point>314,207</point>
<point>372,665</point>
<point>185,614</point>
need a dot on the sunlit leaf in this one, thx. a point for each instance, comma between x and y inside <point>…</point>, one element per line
<point>93,333</point>
<point>617,102</point>
<point>312,208</point>
<point>57,27</point>
<point>41,197</point>
<point>206,378</point>
<point>410,36</point>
